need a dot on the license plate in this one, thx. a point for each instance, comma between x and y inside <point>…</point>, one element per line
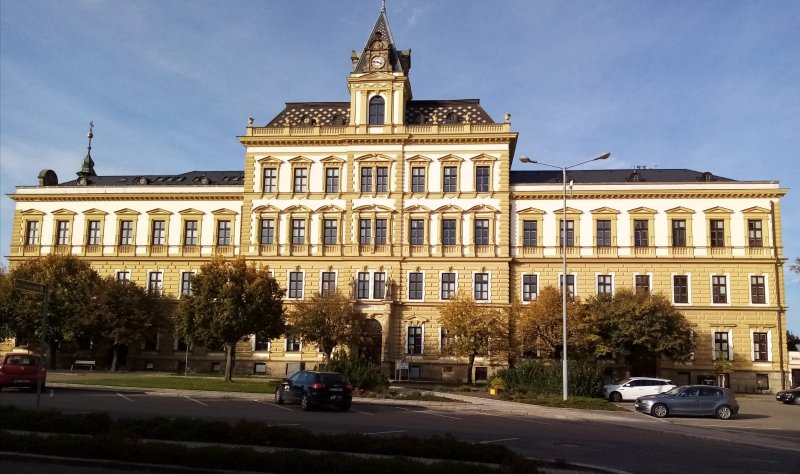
<point>334,389</point>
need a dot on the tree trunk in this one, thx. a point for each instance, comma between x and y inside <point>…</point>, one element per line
<point>114,357</point>
<point>230,360</point>
<point>52,347</point>
<point>326,358</point>
<point>469,368</point>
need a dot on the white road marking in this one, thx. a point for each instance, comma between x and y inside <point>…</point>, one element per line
<point>495,440</point>
<point>429,413</point>
<point>362,412</point>
<point>273,405</point>
<point>384,432</point>
<point>196,401</point>
<point>123,396</point>
<point>512,418</point>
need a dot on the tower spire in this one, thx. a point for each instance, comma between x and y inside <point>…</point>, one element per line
<point>88,163</point>
<point>383,6</point>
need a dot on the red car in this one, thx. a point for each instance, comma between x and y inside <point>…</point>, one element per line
<point>20,370</point>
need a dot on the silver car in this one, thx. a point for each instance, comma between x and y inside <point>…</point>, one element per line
<point>692,400</point>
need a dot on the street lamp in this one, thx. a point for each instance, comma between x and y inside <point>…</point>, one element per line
<point>525,159</point>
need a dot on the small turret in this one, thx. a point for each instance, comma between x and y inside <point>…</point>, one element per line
<point>87,169</point>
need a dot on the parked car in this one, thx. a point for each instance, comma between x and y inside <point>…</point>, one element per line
<point>311,388</point>
<point>635,387</point>
<point>20,370</point>
<point>789,396</point>
<point>697,400</point>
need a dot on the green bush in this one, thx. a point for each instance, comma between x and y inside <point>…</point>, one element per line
<point>540,377</point>
<point>362,373</point>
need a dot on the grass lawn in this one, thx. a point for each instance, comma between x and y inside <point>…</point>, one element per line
<point>584,403</point>
<point>179,382</point>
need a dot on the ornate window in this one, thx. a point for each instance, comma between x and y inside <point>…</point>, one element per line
<point>719,289</point>
<point>298,231</point>
<point>379,285</point>
<point>605,285</point>
<point>449,233</point>
<point>680,289</point>
<point>717,232</point>
<point>530,287</point>
<point>754,234</point>
<point>450,179</point>
<point>417,179</point>
<point>448,286</point>
<point>126,235</point>
<point>415,285</point>
<point>414,340</point>
<point>482,177</point>
<point>267,232</point>
<point>366,180</point>
<point>603,233</point>
<point>331,179</point>
<point>328,285</point>
<point>641,283</point>
<point>270,184</point>
<point>158,232</point>
<point>377,110</point>
<point>296,285</point>
<point>641,233</point>
<point>223,232</point>
<point>62,232</point>
<point>365,231</point>
<point>31,232</point>
<point>300,184</point>
<point>186,283</point>
<point>417,236</point>
<point>331,231</point>
<point>679,232</point>
<point>481,287</point>
<point>758,289</point>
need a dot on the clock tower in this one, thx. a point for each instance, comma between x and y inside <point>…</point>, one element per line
<point>379,84</point>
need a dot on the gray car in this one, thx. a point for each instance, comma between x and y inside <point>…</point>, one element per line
<point>691,400</point>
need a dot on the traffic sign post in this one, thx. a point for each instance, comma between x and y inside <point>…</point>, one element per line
<point>32,287</point>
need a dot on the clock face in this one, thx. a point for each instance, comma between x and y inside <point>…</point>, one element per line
<point>377,61</point>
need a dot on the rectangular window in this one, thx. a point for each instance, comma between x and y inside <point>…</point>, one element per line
<point>379,286</point>
<point>721,346</point>
<point>380,231</point>
<point>530,287</point>
<point>331,180</point>
<point>642,283</point>
<point>300,180</point>
<point>223,232</point>
<point>570,284</point>
<point>126,233</point>
<point>482,232</point>
<point>331,231</point>
<point>123,276</point>
<point>754,236</point>
<point>417,232</point>
<point>448,287</point>
<point>366,180</point>
<point>267,236</point>
<point>678,233</point>
<point>295,284</point>
<point>328,283</point>
<point>717,233</point>
<point>93,234</point>
<point>719,289</point>
<point>529,233</point>
<point>260,345</point>
<point>155,283</point>
<point>158,233</point>
<point>292,344</point>
<point>298,231</point>
<point>760,347</point>
<point>31,233</point>
<point>270,180</point>
<point>414,340</point>
<point>570,233</point>
<point>415,286</point>
<point>604,233</point>
<point>482,179</point>
<point>450,184</point>
<point>481,287</point>
<point>604,286</point>
<point>758,290</point>
<point>417,179</point>
<point>680,289</point>
<point>362,289</point>
<point>641,236</point>
<point>190,233</point>
<point>365,231</point>
<point>186,283</point>
<point>382,179</point>
<point>448,232</point>
<point>63,232</point>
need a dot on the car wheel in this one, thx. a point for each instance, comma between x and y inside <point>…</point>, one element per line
<point>724,412</point>
<point>659,410</point>
<point>797,400</point>
<point>615,397</point>
<point>279,396</point>
<point>305,403</point>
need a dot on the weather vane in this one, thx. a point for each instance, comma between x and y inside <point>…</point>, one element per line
<point>90,135</point>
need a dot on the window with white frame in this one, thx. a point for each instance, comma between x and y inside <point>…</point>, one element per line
<point>641,283</point>
<point>570,285</point>
<point>126,232</point>
<point>719,289</point>
<point>605,285</point>
<point>378,285</point>
<point>62,237</point>
<point>300,184</point>
<point>93,233</point>
<point>760,347</point>
<point>482,179</point>
<point>296,285</point>
<point>270,180</point>
<point>362,286</point>
<point>328,285</point>
<point>758,289</point>
<point>448,286</point>
<point>380,231</point>
<point>31,232</point>
<point>680,289</point>
<point>331,231</point>
<point>124,276</point>
<point>365,231</point>
<point>450,179</point>
<point>331,180</point>
<point>530,287</point>
<point>722,345</point>
<point>155,283</point>
<point>481,287</point>
<point>159,230</point>
<point>267,232</point>
<point>186,283</point>
<point>298,231</point>
<point>415,285</point>
<point>414,340</point>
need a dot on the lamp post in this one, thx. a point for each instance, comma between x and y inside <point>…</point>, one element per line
<point>564,369</point>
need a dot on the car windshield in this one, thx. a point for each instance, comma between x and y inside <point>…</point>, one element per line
<point>674,391</point>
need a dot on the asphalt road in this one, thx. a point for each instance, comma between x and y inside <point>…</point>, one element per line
<point>623,440</point>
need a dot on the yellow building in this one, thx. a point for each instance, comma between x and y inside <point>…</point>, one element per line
<point>403,202</point>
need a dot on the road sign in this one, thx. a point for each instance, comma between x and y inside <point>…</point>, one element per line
<point>30,286</point>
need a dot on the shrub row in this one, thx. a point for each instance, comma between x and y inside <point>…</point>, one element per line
<point>362,373</point>
<point>533,376</point>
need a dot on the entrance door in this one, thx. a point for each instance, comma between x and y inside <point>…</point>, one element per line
<point>371,348</point>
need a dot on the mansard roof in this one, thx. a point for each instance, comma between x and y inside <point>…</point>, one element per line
<point>337,114</point>
<point>192,178</point>
<point>619,176</point>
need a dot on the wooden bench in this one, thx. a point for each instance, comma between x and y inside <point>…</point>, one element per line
<point>83,363</point>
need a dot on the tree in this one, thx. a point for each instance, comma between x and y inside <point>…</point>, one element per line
<point>72,284</point>
<point>541,323</point>
<point>124,313</point>
<point>637,327</point>
<point>792,341</point>
<point>6,305</point>
<point>327,321</point>
<point>469,327</point>
<point>230,301</point>
<point>796,267</point>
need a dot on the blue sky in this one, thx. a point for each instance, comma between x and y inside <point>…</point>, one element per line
<point>711,86</point>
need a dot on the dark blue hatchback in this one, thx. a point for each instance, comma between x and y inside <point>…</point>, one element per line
<point>311,388</point>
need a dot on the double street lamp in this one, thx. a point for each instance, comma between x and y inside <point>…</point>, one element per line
<point>525,159</point>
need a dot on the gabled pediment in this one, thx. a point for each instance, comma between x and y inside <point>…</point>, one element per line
<point>127,212</point>
<point>718,210</point>
<point>299,160</point>
<point>755,210</point>
<point>159,211</point>
<point>296,208</point>
<point>269,160</point>
<point>482,208</point>
<point>680,210</point>
<point>32,212</point>
<point>372,208</point>
<point>451,159</point>
<point>329,208</point>
<point>449,208</point>
<point>642,210</point>
<point>265,209</point>
<point>95,212</point>
<point>570,210</point>
<point>416,208</point>
<point>419,159</point>
<point>223,211</point>
<point>604,210</point>
<point>483,157</point>
<point>332,160</point>
<point>190,211</point>
<point>64,212</point>
<point>531,211</point>
<point>380,158</point>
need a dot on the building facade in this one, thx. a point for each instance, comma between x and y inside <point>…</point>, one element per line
<point>400,203</point>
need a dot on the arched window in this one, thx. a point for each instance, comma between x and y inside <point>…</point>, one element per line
<point>376,110</point>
